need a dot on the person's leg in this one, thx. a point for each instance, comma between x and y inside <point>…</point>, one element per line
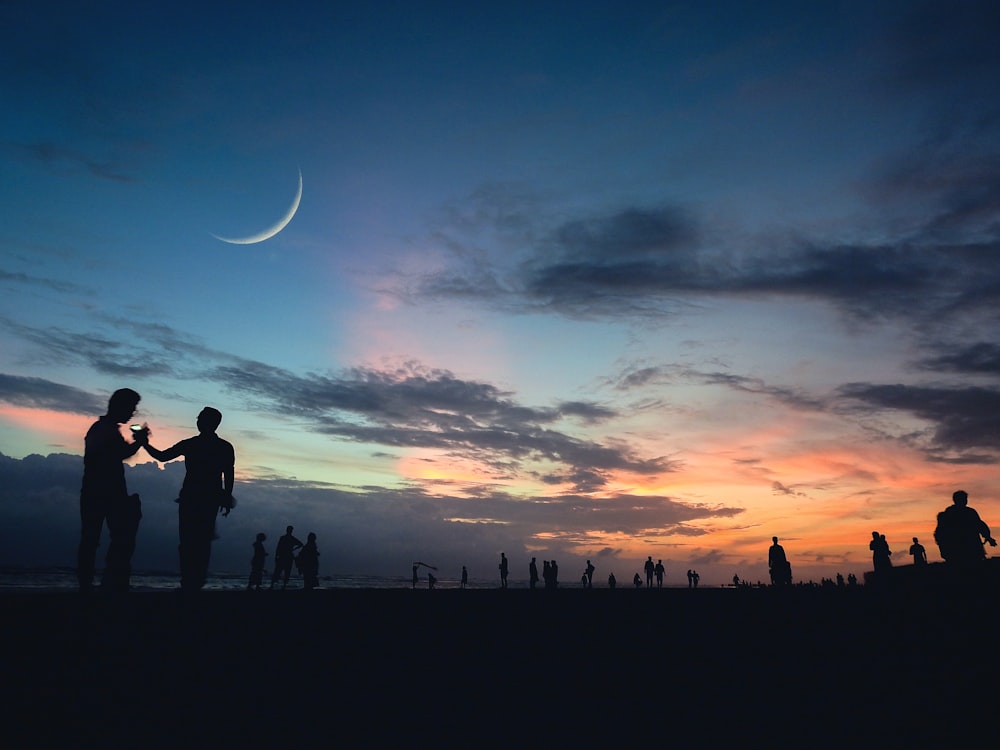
<point>92,516</point>
<point>123,525</point>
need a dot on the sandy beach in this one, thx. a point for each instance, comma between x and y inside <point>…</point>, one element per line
<point>486,668</point>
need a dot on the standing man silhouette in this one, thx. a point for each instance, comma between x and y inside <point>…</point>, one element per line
<point>532,574</point>
<point>659,570</point>
<point>283,558</point>
<point>589,573</point>
<point>104,498</point>
<point>918,553</point>
<point>209,462</point>
<point>503,570</point>
<point>649,567</point>
<point>781,571</point>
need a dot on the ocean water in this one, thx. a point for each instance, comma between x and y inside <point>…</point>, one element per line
<point>64,579</point>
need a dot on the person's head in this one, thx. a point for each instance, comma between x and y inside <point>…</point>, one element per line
<point>122,404</point>
<point>915,540</point>
<point>261,537</point>
<point>874,535</point>
<point>960,497</point>
<point>774,539</point>
<point>289,529</point>
<point>209,419</point>
<point>311,537</point>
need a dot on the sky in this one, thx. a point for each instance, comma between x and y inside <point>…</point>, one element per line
<point>572,280</point>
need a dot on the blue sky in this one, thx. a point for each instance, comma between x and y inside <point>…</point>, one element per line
<point>580,280</point>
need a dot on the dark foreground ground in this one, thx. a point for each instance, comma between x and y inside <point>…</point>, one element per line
<point>858,667</point>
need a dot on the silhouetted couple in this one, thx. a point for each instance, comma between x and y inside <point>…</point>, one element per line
<point>104,499</point>
<point>881,556</point>
<point>550,574</point>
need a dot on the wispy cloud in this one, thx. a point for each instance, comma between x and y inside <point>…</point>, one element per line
<point>38,393</point>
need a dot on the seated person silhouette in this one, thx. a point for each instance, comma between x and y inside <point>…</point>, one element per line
<point>961,533</point>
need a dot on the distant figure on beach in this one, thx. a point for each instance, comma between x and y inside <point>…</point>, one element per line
<point>918,553</point>
<point>690,575</point>
<point>431,580</point>
<point>533,574</point>
<point>589,575</point>
<point>649,567</point>
<point>284,556</point>
<point>104,498</point>
<point>736,580</point>
<point>465,577</point>
<point>637,581</point>
<point>659,570</point>
<point>958,532</point>
<point>503,570</point>
<point>695,577</point>
<point>308,562</point>
<point>880,552</point>
<point>257,563</point>
<point>209,463</point>
<point>612,581</point>
<point>415,577</point>
<point>554,573</point>
<point>777,563</point>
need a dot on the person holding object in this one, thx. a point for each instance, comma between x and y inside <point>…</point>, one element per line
<point>104,498</point>
<point>209,462</point>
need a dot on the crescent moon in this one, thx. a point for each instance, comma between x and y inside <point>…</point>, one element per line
<point>270,232</point>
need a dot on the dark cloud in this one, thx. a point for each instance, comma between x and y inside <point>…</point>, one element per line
<point>982,358</point>
<point>656,262</point>
<point>963,419</point>
<point>115,346</point>
<point>37,393</point>
<point>413,407</point>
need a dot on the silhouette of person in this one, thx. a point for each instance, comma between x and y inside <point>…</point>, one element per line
<point>209,463</point>
<point>465,577</point>
<point>649,567</point>
<point>554,574</point>
<point>284,555</point>
<point>958,532</point>
<point>104,498</point>
<point>612,581</point>
<point>533,574</point>
<point>880,552</point>
<point>918,553</point>
<point>695,577</point>
<point>690,575</point>
<point>503,570</point>
<point>589,575</point>
<point>431,580</point>
<point>257,563</point>
<point>777,563</point>
<point>308,561</point>
<point>415,577</point>
<point>547,573</point>
<point>637,581</point>
<point>659,570</point>
<point>736,580</point>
